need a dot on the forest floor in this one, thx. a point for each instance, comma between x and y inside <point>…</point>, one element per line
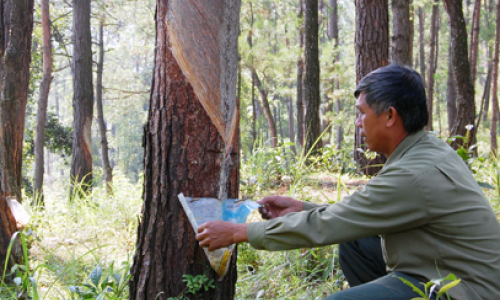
<point>74,244</point>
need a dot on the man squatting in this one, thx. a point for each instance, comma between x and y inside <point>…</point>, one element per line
<point>422,217</point>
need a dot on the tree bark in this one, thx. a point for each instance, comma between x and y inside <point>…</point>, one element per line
<point>372,52</point>
<point>183,153</point>
<point>421,36</point>
<point>83,98</point>
<point>16,27</point>
<point>451,93</point>
<point>474,39</point>
<point>494,99</point>
<point>311,79</point>
<point>461,71</point>
<point>333,33</point>
<point>301,131</point>
<point>108,171</point>
<point>15,52</point>
<point>267,108</point>
<point>401,34</point>
<point>432,63</point>
<point>41,117</point>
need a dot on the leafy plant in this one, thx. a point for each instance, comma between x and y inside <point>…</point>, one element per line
<point>435,286</point>
<point>101,285</point>
<point>198,282</point>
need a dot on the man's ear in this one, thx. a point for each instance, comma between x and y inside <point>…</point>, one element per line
<point>392,116</point>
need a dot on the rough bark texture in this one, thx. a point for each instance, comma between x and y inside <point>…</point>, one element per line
<point>494,99</point>
<point>333,33</point>
<point>372,52</point>
<point>432,62</point>
<point>311,79</point>
<point>474,39</point>
<point>421,36</point>
<point>461,71</point>
<point>15,42</point>
<point>300,103</point>
<point>16,26</point>
<point>106,166</point>
<point>451,93</point>
<point>41,117</point>
<point>183,153</point>
<point>401,33</point>
<point>83,97</point>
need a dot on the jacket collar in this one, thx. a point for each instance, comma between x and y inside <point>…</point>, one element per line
<point>406,144</point>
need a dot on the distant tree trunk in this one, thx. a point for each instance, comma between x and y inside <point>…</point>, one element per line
<point>461,71</point>
<point>254,117</point>
<point>372,52</point>
<point>83,98</point>
<point>451,93</point>
<point>41,116</point>
<point>421,36</point>
<point>15,40</point>
<point>108,171</point>
<point>267,108</point>
<point>291,126</point>
<point>16,27</point>
<point>402,33</point>
<point>486,93</point>
<point>301,132</point>
<point>182,154</point>
<point>494,99</point>
<point>333,33</point>
<point>474,39</point>
<point>311,79</point>
<point>432,63</point>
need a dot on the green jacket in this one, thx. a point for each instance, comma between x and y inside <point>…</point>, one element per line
<point>429,210</point>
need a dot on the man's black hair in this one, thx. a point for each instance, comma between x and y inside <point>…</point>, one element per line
<point>399,87</point>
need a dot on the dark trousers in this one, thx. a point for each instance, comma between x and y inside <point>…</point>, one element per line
<point>364,268</point>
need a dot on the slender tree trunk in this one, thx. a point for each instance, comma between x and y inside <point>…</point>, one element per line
<point>494,99</point>
<point>108,171</point>
<point>301,131</point>
<point>432,63</point>
<point>16,29</point>
<point>83,98</point>
<point>486,92</point>
<point>474,39</point>
<point>311,79</point>
<point>183,150</point>
<point>291,126</point>
<point>401,33</point>
<point>461,71</point>
<point>41,117</point>
<point>372,52</point>
<point>451,93</point>
<point>421,36</point>
<point>333,33</point>
<point>267,108</point>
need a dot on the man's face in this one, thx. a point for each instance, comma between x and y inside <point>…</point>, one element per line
<point>372,127</point>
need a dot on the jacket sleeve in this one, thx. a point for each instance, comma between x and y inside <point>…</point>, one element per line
<point>389,203</point>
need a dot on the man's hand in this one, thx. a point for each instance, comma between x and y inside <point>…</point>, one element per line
<point>218,234</point>
<point>278,206</point>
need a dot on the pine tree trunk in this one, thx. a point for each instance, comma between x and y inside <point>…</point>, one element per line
<point>16,27</point>
<point>401,33</point>
<point>108,171</point>
<point>432,63</point>
<point>421,36</point>
<point>183,153</point>
<point>301,131</point>
<point>41,116</point>
<point>474,39</point>
<point>83,98</point>
<point>461,71</point>
<point>451,93</point>
<point>267,108</point>
<point>15,42</point>
<point>372,52</point>
<point>311,79</point>
<point>494,100</point>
